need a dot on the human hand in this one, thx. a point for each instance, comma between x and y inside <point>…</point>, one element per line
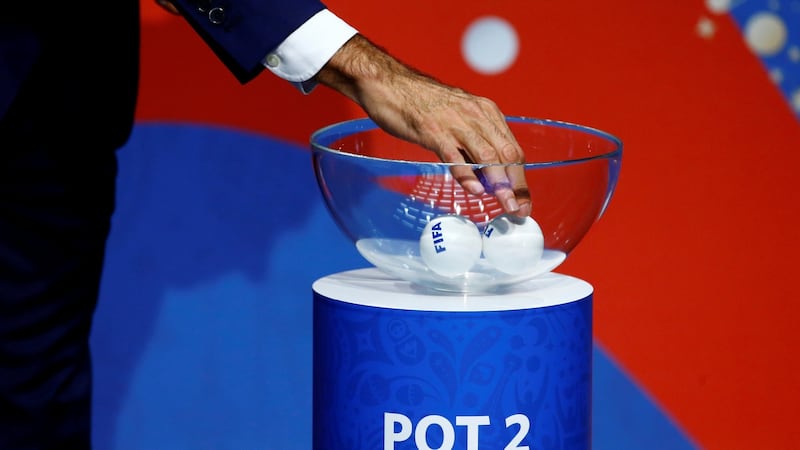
<point>456,125</point>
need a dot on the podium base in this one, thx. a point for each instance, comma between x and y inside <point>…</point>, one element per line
<point>397,366</point>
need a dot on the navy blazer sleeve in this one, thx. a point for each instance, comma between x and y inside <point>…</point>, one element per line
<point>242,32</point>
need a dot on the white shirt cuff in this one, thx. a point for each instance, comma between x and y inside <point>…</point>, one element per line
<point>298,58</point>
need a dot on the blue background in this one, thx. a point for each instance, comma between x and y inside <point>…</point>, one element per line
<point>202,337</point>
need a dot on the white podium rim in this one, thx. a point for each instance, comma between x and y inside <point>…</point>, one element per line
<point>374,288</point>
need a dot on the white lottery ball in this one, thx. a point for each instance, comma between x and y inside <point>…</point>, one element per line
<point>513,244</point>
<point>450,245</point>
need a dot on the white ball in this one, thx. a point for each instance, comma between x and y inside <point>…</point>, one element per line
<point>450,245</point>
<point>513,244</point>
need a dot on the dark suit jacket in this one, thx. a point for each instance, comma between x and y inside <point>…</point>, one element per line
<point>69,69</point>
<point>68,85</point>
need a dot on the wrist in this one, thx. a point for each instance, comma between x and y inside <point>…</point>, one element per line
<point>359,67</point>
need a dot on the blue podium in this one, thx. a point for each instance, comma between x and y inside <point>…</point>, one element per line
<point>398,366</point>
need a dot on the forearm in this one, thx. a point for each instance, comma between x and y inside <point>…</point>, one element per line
<point>364,72</point>
<point>360,66</point>
<point>399,98</point>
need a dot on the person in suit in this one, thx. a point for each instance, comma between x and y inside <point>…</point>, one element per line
<point>68,88</point>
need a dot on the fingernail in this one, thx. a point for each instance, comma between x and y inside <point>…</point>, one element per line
<point>512,205</point>
<point>474,187</point>
<point>525,210</point>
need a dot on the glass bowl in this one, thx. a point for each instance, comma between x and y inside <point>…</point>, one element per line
<point>387,195</point>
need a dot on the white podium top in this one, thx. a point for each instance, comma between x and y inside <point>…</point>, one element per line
<point>372,287</point>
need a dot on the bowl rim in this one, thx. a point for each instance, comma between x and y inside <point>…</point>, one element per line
<point>367,124</point>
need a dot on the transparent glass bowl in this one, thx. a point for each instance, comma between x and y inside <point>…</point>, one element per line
<point>383,191</point>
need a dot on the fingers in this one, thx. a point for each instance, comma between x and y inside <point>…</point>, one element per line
<point>519,185</point>
<point>467,179</point>
<point>490,142</point>
<point>498,176</point>
<point>499,181</point>
<point>514,193</point>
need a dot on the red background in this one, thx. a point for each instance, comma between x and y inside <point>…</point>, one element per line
<point>693,263</point>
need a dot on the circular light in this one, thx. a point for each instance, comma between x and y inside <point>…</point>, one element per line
<point>490,45</point>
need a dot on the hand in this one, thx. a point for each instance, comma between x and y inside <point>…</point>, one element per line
<point>458,126</point>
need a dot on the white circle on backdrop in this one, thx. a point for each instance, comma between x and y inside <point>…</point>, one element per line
<point>776,75</point>
<point>796,100</point>
<point>490,45</point>
<point>765,33</point>
<point>718,6</point>
<point>794,53</point>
